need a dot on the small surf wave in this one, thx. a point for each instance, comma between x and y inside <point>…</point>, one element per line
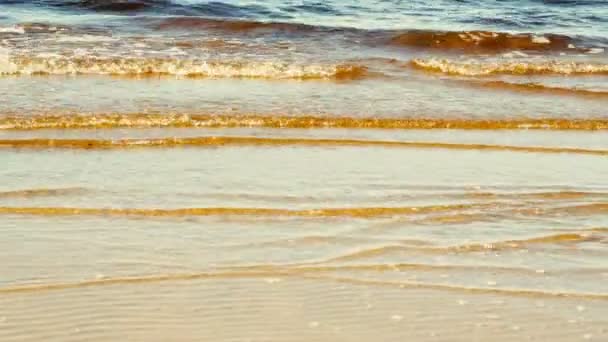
<point>287,272</point>
<point>219,141</point>
<point>575,210</point>
<point>467,289</point>
<point>12,30</point>
<point>320,267</point>
<point>355,212</point>
<point>28,193</point>
<point>34,27</point>
<point>482,41</point>
<point>555,239</point>
<point>547,195</point>
<point>109,121</point>
<point>532,210</point>
<point>482,68</point>
<point>538,88</point>
<point>177,67</point>
<point>198,23</point>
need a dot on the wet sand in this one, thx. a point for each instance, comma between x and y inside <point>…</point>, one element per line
<point>303,238</point>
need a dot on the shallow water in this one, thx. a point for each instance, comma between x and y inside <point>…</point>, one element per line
<point>301,171</point>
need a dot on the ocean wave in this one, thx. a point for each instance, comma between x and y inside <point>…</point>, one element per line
<point>176,67</point>
<point>583,209</point>
<point>234,25</point>
<point>311,273</point>
<point>109,121</point>
<point>322,267</point>
<point>528,212</point>
<point>359,212</point>
<point>483,68</point>
<point>219,141</point>
<point>239,25</point>
<point>38,28</point>
<point>504,16</point>
<point>12,29</point>
<point>105,5</point>
<point>43,192</point>
<point>482,41</point>
<point>467,41</point>
<point>537,88</point>
<point>568,239</point>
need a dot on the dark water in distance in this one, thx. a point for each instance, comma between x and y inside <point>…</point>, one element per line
<point>582,17</point>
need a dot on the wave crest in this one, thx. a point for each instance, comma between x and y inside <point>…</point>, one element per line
<point>101,121</point>
<point>481,68</point>
<point>181,23</point>
<point>177,67</point>
<point>537,88</point>
<point>219,141</point>
<point>482,41</point>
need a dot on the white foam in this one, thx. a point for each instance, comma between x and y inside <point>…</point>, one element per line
<point>483,68</point>
<point>540,40</point>
<point>515,54</point>
<point>177,67</point>
<point>85,38</point>
<point>595,50</point>
<point>176,51</point>
<point>12,29</point>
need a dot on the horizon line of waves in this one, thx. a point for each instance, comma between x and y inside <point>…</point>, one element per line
<point>564,239</point>
<point>191,68</point>
<point>221,141</point>
<point>188,9</point>
<point>488,68</point>
<point>271,275</point>
<point>353,212</point>
<point>102,6</point>
<point>139,120</point>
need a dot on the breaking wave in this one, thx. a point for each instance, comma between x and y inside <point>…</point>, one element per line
<point>181,23</point>
<point>482,68</point>
<point>538,88</point>
<point>482,41</point>
<point>177,67</point>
